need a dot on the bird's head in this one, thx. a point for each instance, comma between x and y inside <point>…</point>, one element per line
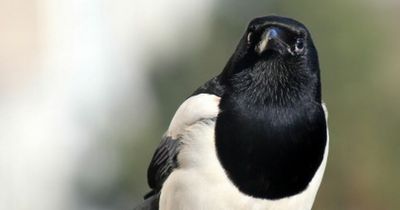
<point>277,55</point>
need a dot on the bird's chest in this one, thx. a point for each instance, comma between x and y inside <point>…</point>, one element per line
<point>201,182</point>
<point>270,153</point>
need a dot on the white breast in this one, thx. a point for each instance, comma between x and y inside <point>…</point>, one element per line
<point>200,182</point>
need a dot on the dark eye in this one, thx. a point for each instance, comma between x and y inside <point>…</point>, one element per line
<point>299,46</point>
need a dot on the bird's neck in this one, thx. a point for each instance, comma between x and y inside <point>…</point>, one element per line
<point>271,86</point>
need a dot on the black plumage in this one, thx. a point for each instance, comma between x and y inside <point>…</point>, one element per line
<point>162,164</point>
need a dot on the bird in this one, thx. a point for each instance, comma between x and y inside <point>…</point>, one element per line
<point>253,137</point>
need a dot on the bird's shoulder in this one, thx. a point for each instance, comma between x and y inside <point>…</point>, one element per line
<point>202,105</point>
<point>194,109</point>
<point>213,86</point>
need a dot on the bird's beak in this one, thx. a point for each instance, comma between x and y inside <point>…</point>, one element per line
<point>271,40</point>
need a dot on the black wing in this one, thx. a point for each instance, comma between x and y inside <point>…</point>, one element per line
<point>162,164</point>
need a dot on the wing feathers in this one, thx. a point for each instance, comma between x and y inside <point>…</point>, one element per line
<point>163,162</point>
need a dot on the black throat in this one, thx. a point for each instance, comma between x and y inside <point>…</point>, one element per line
<point>271,131</point>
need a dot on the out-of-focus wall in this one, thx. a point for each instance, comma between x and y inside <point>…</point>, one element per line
<point>19,44</point>
<point>73,88</point>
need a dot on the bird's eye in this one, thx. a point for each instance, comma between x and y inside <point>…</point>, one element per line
<point>299,46</point>
<point>249,36</point>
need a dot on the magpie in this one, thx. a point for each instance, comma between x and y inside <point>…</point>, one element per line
<point>253,137</point>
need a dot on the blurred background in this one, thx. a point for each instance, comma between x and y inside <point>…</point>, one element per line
<point>88,87</point>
